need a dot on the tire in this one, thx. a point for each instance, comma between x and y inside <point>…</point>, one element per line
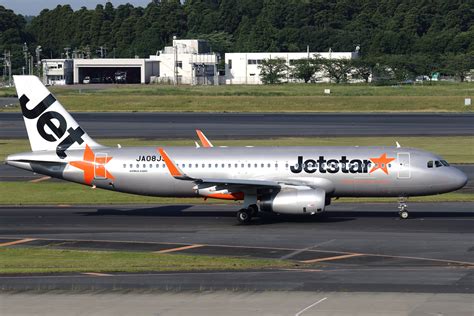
<point>244,216</point>
<point>253,209</point>
<point>403,214</point>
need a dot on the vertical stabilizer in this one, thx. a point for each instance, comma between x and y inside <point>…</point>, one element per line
<point>48,124</point>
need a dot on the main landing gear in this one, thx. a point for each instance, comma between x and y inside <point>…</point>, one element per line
<point>402,208</point>
<point>244,216</point>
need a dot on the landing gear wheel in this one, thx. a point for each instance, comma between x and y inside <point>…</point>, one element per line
<point>402,207</point>
<point>244,216</point>
<point>253,209</point>
<point>403,214</point>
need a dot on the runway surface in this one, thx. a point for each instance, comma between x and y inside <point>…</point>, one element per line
<point>229,125</point>
<point>354,247</point>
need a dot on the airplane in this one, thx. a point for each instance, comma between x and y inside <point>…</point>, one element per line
<point>283,180</point>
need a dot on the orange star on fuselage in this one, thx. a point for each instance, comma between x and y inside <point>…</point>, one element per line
<point>381,163</point>
<point>90,163</point>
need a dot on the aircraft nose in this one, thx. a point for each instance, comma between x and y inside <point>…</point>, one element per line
<point>458,178</point>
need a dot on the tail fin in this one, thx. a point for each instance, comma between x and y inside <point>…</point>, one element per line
<point>49,125</point>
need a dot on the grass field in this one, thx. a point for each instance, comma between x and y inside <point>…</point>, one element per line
<point>459,149</point>
<point>438,97</point>
<point>42,260</point>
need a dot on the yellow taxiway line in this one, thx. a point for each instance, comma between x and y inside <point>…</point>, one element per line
<point>179,248</point>
<point>16,242</point>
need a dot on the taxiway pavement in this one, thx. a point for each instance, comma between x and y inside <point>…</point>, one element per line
<point>257,125</point>
<point>356,247</point>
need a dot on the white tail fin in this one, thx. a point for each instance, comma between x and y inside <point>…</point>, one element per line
<point>49,125</point>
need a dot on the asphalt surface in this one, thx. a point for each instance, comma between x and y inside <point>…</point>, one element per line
<point>7,102</point>
<point>230,125</point>
<point>354,247</point>
<point>231,303</point>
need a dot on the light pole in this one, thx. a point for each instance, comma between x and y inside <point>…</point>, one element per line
<point>25,55</point>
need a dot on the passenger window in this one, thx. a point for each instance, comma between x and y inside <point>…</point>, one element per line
<point>230,165</point>
<point>438,164</point>
<point>210,165</point>
<point>445,163</point>
<point>138,166</point>
<point>190,165</point>
<point>268,165</point>
<point>223,165</point>
<point>250,166</point>
<point>204,165</point>
<point>217,165</point>
<point>131,166</point>
<point>256,166</point>
<point>263,165</point>
<point>236,165</point>
<point>151,166</point>
<point>124,165</point>
<point>242,165</point>
<point>430,164</point>
<point>144,166</point>
<point>197,165</point>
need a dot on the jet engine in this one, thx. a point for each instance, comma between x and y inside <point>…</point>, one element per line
<point>295,201</point>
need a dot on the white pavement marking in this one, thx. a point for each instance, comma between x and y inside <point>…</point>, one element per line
<point>297,252</point>
<point>310,306</point>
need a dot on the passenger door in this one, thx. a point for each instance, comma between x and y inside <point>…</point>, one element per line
<point>403,160</point>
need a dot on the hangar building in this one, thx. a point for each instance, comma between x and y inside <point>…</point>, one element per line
<point>104,70</point>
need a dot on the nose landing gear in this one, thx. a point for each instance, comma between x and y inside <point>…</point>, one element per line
<point>402,208</point>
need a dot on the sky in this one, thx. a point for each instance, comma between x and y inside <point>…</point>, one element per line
<point>34,7</point>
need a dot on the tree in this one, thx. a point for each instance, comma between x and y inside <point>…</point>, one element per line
<point>273,70</point>
<point>459,65</point>
<point>305,69</point>
<point>363,68</point>
<point>337,69</point>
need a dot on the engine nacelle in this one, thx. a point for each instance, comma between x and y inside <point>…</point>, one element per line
<point>295,201</point>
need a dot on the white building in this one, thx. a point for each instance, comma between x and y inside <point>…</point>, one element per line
<point>57,71</point>
<point>187,62</point>
<point>242,68</point>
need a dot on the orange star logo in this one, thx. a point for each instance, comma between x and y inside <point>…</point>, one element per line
<point>381,163</point>
<point>92,166</point>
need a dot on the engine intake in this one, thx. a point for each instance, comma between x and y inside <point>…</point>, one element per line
<point>295,201</point>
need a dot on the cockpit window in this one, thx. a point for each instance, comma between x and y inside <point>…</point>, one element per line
<point>445,163</point>
<point>438,163</point>
<point>430,164</point>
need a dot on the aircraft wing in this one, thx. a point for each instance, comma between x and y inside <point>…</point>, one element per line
<point>204,140</point>
<point>240,182</point>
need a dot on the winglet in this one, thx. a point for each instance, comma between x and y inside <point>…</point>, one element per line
<point>205,142</point>
<point>172,167</point>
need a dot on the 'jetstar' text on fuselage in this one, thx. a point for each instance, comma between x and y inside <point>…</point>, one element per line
<point>322,165</point>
